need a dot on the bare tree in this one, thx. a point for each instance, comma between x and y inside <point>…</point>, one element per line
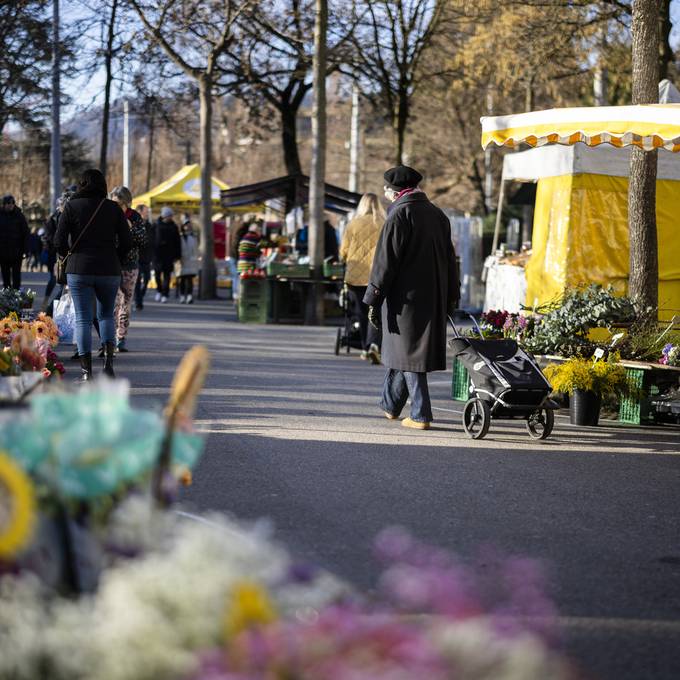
<point>195,35</point>
<point>643,282</point>
<point>388,48</point>
<point>109,53</point>
<point>280,75</point>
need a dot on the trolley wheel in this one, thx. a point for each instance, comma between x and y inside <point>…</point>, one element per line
<point>476,418</point>
<point>338,341</point>
<point>540,423</point>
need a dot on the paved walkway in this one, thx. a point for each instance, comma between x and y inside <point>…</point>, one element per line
<point>294,434</point>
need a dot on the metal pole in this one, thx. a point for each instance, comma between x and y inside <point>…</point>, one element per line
<point>55,147</point>
<point>354,141</point>
<point>127,164</point>
<point>315,310</point>
<point>499,213</point>
<point>488,172</point>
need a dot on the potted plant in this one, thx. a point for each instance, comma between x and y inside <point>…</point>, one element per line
<point>586,381</point>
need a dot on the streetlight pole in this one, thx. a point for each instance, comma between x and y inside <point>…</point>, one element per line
<point>354,141</point>
<point>127,165</point>
<point>315,303</point>
<point>55,147</point>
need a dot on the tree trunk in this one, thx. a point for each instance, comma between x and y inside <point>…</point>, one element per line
<point>149,157</point>
<point>315,303</point>
<point>402,121</point>
<point>208,282</point>
<point>643,283</point>
<point>108,62</point>
<point>291,157</point>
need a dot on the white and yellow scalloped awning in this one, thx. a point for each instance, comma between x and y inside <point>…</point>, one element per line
<point>650,126</point>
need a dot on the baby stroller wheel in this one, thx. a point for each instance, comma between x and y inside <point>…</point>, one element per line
<point>338,341</point>
<point>540,423</point>
<point>476,418</point>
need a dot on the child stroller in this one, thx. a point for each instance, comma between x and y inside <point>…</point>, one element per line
<point>505,383</point>
<point>349,334</point>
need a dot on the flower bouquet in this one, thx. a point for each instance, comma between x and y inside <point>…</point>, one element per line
<point>14,300</point>
<point>670,355</point>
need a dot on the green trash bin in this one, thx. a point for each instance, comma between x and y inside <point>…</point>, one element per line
<point>253,301</point>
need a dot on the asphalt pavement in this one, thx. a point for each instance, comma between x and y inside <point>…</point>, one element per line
<point>294,434</point>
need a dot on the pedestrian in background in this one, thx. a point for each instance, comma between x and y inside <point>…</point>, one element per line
<point>357,251</point>
<point>34,251</point>
<point>236,233</point>
<point>14,234</point>
<point>129,266</point>
<point>51,250</point>
<point>249,248</point>
<point>145,258</point>
<point>189,262</point>
<point>412,288</point>
<point>167,251</point>
<point>97,231</point>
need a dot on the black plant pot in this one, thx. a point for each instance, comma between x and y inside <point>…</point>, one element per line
<point>584,407</point>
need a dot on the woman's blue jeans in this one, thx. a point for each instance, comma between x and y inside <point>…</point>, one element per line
<point>398,386</point>
<point>85,288</point>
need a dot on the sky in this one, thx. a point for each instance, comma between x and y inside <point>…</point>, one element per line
<point>88,91</point>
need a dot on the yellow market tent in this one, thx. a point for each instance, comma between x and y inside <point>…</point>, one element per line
<point>581,213</point>
<point>182,191</point>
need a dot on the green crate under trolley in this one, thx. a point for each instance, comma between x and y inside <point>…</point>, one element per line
<point>460,383</point>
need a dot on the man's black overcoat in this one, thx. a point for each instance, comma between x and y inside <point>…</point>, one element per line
<point>415,278</point>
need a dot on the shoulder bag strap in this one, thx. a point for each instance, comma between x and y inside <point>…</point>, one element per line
<point>89,222</point>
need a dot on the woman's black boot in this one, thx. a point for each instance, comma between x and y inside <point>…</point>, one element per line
<point>109,349</point>
<point>85,367</point>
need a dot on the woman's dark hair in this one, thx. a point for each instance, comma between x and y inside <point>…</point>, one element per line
<point>92,180</point>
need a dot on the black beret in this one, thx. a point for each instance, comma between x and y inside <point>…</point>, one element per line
<point>7,199</point>
<point>403,177</point>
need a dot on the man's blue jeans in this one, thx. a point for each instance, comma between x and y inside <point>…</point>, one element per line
<point>398,386</point>
<point>84,289</point>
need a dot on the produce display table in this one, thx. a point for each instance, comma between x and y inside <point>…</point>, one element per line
<point>288,298</point>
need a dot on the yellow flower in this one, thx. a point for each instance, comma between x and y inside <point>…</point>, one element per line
<point>250,606</point>
<point>17,507</point>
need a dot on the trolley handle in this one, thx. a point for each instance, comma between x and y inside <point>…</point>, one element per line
<point>474,321</point>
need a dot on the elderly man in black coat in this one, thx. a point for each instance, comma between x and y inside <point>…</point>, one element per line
<point>414,279</point>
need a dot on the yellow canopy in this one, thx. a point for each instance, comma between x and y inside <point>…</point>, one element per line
<point>182,191</point>
<point>650,126</point>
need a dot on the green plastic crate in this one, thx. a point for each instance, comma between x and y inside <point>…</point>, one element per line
<point>639,411</point>
<point>297,271</point>
<point>333,270</point>
<point>460,384</point>
<point>253,303</point>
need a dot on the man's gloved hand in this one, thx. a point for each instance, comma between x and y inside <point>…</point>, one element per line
<point>374,318</point>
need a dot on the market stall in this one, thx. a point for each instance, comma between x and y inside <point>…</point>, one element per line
<point>581,214</point>
<point>181,192</point>
<point>288,273</point>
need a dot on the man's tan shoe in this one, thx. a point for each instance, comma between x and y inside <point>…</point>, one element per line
<point>407,422</point>
<point>389,416</point>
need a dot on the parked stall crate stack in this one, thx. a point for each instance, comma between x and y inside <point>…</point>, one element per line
<point>253,301</point>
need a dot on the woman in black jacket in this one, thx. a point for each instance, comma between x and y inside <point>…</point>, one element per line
<point>100,233</point>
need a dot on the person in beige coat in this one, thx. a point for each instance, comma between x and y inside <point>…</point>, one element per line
<point>357,250</point>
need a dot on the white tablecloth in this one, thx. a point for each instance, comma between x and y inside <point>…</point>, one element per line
<point>506,287</point>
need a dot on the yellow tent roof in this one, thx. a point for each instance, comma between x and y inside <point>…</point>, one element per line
<point>648,126</point>
<point>182,191</point>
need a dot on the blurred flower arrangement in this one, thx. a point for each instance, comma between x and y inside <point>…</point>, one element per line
<point>214,600</point>
<point>183,598</point>
<point>29,346</point>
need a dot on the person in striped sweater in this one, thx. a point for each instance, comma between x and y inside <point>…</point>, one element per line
<point>249,248</point>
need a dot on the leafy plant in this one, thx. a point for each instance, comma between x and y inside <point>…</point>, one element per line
<point>565,324</point>
<point>606,378</point>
